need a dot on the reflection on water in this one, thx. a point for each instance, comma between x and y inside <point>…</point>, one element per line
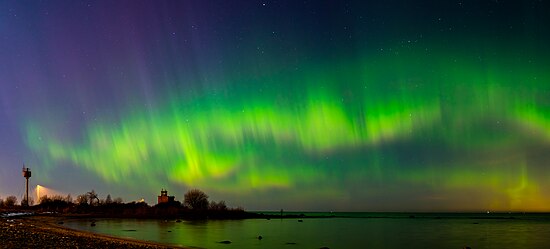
<point>435,231</point>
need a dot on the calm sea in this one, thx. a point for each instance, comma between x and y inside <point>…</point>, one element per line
<point>345,230</point>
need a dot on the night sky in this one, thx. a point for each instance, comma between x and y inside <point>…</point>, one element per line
<point>301,105</point>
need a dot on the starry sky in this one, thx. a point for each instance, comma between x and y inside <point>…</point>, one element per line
<point>301,105</point>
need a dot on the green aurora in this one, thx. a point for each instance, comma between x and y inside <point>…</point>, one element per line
<point>471,129</point>
<point>323,105</point>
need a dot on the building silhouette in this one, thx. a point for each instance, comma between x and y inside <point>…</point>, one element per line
<point>164,198</point>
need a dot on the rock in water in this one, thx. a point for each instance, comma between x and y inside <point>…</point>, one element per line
<point>225,242</point>
<point>260,237</point>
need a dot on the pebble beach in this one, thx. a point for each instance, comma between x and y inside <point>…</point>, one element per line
<point>46,232</point>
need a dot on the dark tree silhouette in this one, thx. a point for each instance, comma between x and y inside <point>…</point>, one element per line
<point>82,199</point>
<point>30,202</point>
<point>218,206</point>
<point>10,201</point>
<point>108,200</point>
<point>69,198</point>
<point>196,199</point>
<point>44,199</point>
<point>92,195</point>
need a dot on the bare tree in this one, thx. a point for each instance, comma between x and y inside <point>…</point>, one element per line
<point>117,200</point>
<point>218,206</point>
<point>82,199</point>
<point>10,201</point>
<point>30,202</point>
<point>44,199</point>
<point>92,195</point>
<point>69,198</point>
<point>196,199</point>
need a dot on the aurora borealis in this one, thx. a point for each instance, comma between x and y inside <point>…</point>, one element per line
<point>310,105</point>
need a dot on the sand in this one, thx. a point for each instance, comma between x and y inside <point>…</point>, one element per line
<point>44,232</point>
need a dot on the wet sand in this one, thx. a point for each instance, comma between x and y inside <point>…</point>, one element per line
<point>45,232</point>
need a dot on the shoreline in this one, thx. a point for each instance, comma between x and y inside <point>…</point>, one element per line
<point>43,231</point>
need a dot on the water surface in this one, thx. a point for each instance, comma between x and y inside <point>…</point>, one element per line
<point>347,230</point>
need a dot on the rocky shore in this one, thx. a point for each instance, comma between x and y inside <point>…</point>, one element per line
<point>44,232</point>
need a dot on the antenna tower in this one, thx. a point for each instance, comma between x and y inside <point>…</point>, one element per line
<point>27,175</point>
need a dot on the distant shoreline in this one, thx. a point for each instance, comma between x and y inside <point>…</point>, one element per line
<point>207,215</point>
<point>408,215</point>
